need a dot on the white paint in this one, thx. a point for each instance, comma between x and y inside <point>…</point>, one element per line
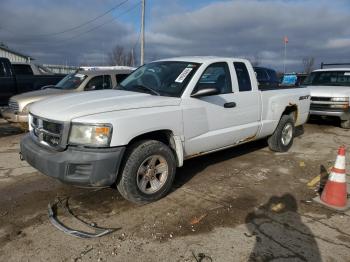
<point>340,162</point>
<point>204,123</point>
<point>335,177</point>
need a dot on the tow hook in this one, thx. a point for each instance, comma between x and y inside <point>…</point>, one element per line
<point>21,156</point>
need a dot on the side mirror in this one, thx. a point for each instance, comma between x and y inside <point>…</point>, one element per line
<point>209,91</point>
<point>48,86</point>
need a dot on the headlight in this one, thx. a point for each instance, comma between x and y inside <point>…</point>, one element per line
<point>90,135</point>
<point>340,99</point>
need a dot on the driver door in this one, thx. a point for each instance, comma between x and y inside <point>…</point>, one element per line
<point>221,120</point>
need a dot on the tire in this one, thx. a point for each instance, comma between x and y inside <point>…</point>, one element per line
<point>276,142</point>
<point>345,124</point>
<point>140,177</point>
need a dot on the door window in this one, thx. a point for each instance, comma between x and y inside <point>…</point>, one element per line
<point>216,75</point>
<point>2,70</point>
<point>99,83</point>
<point>243,78</point>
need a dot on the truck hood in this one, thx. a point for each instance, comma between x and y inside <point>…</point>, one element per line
<point>70,106</point>
<point>30,97</point>
<point>330,91</point>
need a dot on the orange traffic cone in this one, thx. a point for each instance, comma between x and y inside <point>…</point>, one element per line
<point>334,194</point>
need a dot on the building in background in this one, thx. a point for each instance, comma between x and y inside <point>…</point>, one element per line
<point>61,69</point>
<point>13,55</point>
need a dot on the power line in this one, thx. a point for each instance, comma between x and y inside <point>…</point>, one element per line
<point>80,25</point>
<point>98,26</point>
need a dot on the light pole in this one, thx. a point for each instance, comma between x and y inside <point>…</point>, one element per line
<point>143,32</point>
<point>285,40</point>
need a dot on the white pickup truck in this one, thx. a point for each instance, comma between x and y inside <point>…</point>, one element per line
<point>165,112</point>
<point>330,93</point>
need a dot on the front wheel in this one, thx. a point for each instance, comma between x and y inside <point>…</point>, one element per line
<point>282,139</point>
<point>148,172</point>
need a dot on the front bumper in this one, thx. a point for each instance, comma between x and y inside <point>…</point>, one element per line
<point>77,166</point>
<point>343,114</point>
<point>14,117</point>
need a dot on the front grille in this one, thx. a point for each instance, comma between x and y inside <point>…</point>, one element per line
<point>322,107</point>
<point>47,132</point>
<point>13,105</point>
<point>320,98</point>
<point>328,107</point>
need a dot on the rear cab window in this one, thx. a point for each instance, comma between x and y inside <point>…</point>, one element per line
<point>22,69</point>
<point>243,78</point>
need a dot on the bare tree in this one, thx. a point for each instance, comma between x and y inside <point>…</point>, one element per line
<point>308,64</point>
<point>120,57</point>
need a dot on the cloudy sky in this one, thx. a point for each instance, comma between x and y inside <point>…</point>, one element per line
<point>66,31</point>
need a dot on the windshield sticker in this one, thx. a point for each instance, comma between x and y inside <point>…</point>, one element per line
<point>347,73</point>
<point>183,75</point>
<point>79,75</point>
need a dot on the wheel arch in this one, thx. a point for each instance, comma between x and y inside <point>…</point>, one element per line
<point>291,109</point>
<point>165,136</point>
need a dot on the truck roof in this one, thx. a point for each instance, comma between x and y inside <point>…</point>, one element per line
<point>333,69</point>
<point>202,59</point>
<point>102,72</point>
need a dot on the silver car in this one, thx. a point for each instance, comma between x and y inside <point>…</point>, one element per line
<point>17,111</point>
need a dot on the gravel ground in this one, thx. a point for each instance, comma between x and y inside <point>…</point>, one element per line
<point>245,203</point>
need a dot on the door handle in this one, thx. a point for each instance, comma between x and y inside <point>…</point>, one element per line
<point>230,105</point>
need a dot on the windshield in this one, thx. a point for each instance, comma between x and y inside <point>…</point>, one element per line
<point>328,78</point>
<point>165,78</point>
<point>71,81</point>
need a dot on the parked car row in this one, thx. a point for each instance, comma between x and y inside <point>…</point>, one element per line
<point>18,109</point>
<point>136,134</point>
<point>18,78</point>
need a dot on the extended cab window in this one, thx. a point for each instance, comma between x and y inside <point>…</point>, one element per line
<point>216,75</point>
<point>22,69</point>
<point>243,78</point>
<point>99,83</point>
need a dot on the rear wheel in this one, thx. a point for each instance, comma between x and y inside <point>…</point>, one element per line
<point>282,139</point>
<point>148,172</point>
<point>345,124</point>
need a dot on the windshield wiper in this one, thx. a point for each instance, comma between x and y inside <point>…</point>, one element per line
<point>146,89</point>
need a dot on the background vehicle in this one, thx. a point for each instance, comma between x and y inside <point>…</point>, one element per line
<point>21,77</point>
<point>77,82</point>
<point>21,68</point>
<point>292,79</point>
<point>330,93</point>
<point>162,114</point>
<point>267,78</point>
